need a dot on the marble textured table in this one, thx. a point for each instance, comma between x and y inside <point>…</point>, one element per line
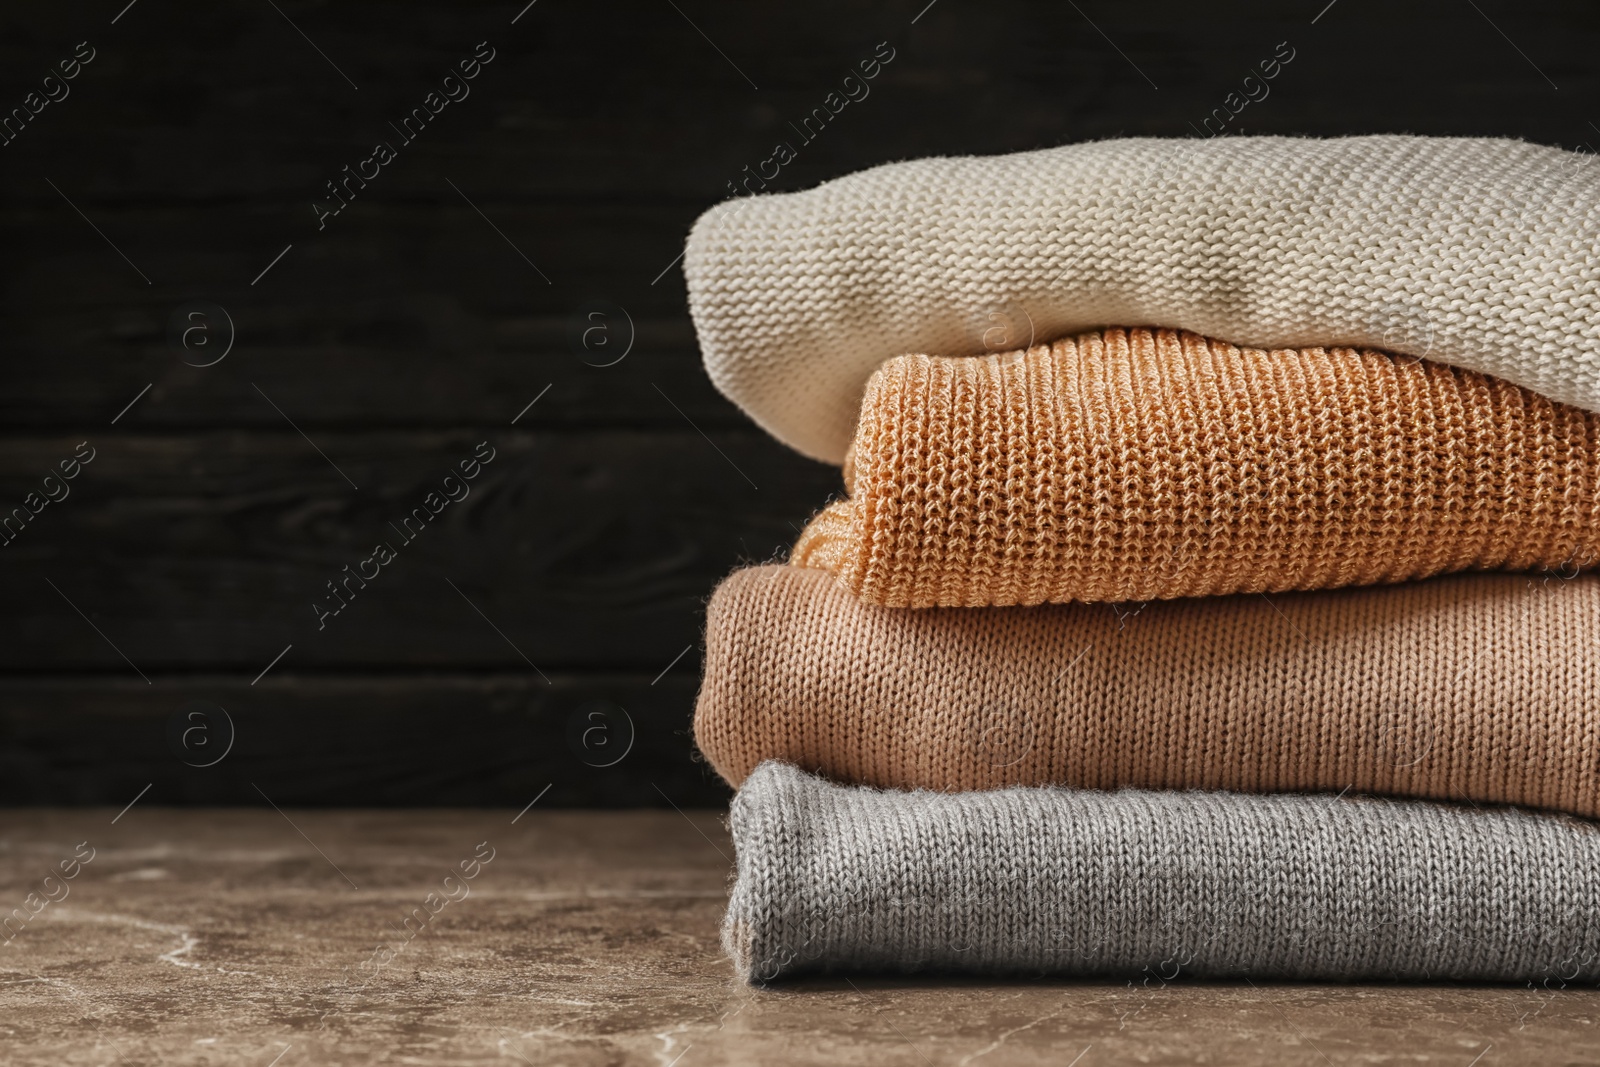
<point>260,937</point>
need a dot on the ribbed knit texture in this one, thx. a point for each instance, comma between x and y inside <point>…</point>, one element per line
<point>1155,884</point>
<point>1480,688</point>
<point>1134,465</point>
<point>1477,253</point>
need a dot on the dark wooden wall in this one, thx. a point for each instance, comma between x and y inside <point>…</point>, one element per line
<point>188,155</point>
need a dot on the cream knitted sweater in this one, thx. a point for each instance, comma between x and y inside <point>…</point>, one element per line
<point>1473,252</point>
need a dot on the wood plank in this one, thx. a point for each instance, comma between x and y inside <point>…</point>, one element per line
<point>208,551</point>
<point>437,322</point>
<point>630,98</point>
<point>425,380</point>
<point>420,273</point>
<point>365,740</point>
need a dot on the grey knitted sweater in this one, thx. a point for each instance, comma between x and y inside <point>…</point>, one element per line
<point>1078,882</point>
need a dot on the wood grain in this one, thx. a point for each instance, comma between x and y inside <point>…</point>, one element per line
<point>366,740</point>
<point>397,369</point>
<point>209,550</point>
<point>630,99</point>
<point>188,155</point>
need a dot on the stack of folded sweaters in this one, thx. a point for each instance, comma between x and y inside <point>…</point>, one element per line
<point>1236,639</point>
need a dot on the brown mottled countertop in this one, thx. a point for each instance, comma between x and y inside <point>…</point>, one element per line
<point>238,936</point>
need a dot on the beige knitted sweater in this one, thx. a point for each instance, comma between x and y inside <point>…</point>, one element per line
<point>1481,687</point>
<point>1479,253</point>
<point>1138,464</point>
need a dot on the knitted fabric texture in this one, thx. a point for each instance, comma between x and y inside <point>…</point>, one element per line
<point>1473,687</point>
<point>1473,252</point>
<point>1135,465</point>
<point>1131,883</point>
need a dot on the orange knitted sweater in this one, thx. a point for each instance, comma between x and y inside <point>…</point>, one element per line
<point>1480,687</point>
<point>1138,464</point>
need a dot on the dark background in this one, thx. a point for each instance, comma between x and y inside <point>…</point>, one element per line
<point>414,327</point>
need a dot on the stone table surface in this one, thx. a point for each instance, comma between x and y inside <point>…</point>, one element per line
<point>260,937</point>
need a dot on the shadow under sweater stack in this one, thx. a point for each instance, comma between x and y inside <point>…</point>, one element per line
<point>1241,643</point>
